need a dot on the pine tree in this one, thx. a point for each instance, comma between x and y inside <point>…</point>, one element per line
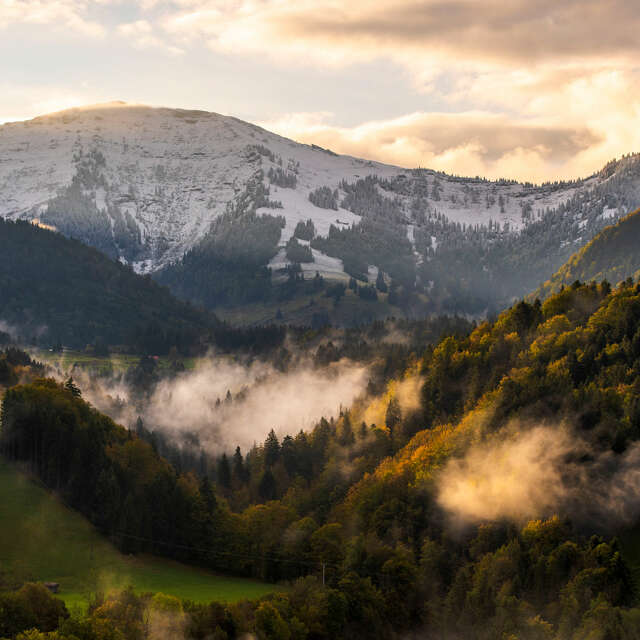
<point>239,471</point>
<point>288,454</point>
<point>267,486</point>
<point>393,415</point>
<point>70,386</point>
<point>206,491</point>
<point>224,472</point>
<point>271,449</point>
<point>381,285</point>
<point>346,437</point>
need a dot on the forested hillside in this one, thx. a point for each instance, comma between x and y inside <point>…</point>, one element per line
<point>612,255</point>
<point>479,495</point>
<point>229,264</point>
<point>57,290</point>
<point>434,243</point>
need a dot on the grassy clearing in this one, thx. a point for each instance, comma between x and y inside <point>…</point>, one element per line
<point>351,310</point>
<point>114,363</point>
<point>43,540</point>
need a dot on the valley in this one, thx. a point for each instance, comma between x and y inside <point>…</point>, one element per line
<point>319,320</point>
<point>251,417</point>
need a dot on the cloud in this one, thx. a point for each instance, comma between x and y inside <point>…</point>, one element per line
<point>517,477</point>
<point>537,91</point>
<point>66,15</point>
<point>9,329</point>
<point>472,143</point>
<point>262,399</point>
<point>22,101</point>
<point>524,473</point>
<point>491,32</point>
<point>141,35</point>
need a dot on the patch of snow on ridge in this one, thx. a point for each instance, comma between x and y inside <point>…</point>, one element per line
<point>326,266</point>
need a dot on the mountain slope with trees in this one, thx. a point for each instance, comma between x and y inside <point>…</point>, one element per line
<point>612,255</point>
<point>352,511</point>
<point>209,205</point>
<point>57,290</point>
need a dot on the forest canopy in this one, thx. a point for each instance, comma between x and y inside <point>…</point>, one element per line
<point>358,499</point>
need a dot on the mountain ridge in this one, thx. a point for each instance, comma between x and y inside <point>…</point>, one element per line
<point>184,194</point>
<point>61,291</point>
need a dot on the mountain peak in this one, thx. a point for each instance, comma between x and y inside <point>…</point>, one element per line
<point>146,185</point>
<point>98,106</point>
<point>116,107</point>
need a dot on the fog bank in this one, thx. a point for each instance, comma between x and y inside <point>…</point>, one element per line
<point>227,403</point>
<point>523,474</point>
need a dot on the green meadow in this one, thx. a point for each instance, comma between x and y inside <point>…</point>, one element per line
<point>43,540</point>
<point>113,363</point>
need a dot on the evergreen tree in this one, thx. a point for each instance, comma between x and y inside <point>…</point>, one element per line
<point>209,498</point>
<point>267,486</point>
<point>271,449</point>
<point>393,294</point>
<point>347,437</point>
<point>239,471</point>
<point>70,386</point>
<point>393,415</point>
<point>224,472</point>
<point>317,282</point>
<point>381,285</point>
<point>288,455</point>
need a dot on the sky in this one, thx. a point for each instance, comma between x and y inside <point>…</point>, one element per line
<point>536,91</point>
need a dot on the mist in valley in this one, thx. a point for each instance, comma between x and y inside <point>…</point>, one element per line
<point>524,472</point>
<point>225,403</point>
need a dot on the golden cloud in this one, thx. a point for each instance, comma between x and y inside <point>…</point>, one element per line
<point>540,90</point>
<point>69,15</point>
<point>471,142</point>
<point>458,31</point>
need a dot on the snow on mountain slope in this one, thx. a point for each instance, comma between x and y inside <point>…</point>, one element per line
<point>145,184</point>
<point>172,171</point>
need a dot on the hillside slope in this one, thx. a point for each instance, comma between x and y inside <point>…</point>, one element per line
<point>612,255</point>
<point>59,290</point>
<point>153,186</point>
<point>480,496</point>
<point>42,540</point>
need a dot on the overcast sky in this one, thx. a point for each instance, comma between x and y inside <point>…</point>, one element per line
<point>536,90</point>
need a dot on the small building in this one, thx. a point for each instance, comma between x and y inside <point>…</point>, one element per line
<point>54,587</point>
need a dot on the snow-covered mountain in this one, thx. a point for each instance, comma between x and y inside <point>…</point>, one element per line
<point>167,172</point>
<point>145,185</point>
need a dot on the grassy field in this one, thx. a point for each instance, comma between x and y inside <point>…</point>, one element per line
<point>114,363</point>
<point>43,540</point>
<point>351,310</point>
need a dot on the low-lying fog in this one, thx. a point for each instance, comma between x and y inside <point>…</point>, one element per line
<point>228,403</point>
